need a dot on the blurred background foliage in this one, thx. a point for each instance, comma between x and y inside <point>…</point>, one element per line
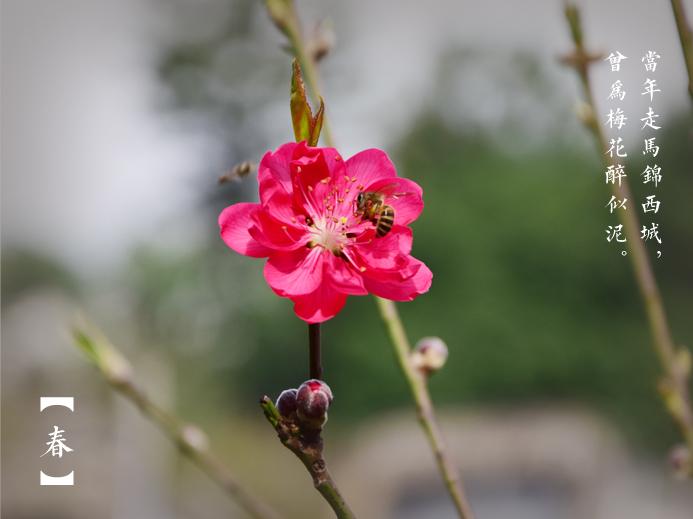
<point>532,301</point>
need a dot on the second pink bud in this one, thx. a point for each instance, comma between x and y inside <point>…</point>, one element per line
<point>313,400</point>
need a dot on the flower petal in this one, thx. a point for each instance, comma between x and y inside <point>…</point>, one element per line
<point>235,222</point>
<point>343,277</point>
<point>320,305</point>
<point>388,252</point>
<point>277,235</point>
<point>274,172</point>
<point>394,275</point>
<point>281,207</point>
<point>405,200</point>
<point>310,177</point>
<point>295,273</point>
<point>318,178</point>
<point>403,290</point>
<point>369,166</point>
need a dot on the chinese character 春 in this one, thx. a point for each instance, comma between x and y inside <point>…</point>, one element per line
<point>614,173</point>
<point>619,147</point>
<point>616,118</point>
<point>650,88</point>
<point>616,91</point>
<point>650,147</point>
<point>651,206</point>
<point>56,444</point>
<point>615,232</point>
<point>648,234</point>
<point>649,60</point>
<point>616,204</point>
<point>649,120</point>
<point>652,174</point>
<point>615,60</point>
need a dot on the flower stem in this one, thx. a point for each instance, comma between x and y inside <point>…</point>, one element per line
<point>676,375</point>
<point>189,439</point>
<point>314,346</point>
<point>418,384</point>
<point>686,40</point>
<point>310,454</point>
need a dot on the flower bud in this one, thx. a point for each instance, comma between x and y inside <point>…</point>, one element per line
<point>313,400</point>
<point>286,403</point>
<point>429,355</point>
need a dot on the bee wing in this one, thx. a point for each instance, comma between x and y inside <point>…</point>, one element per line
<point>390,191</point>
<point>398,195</point>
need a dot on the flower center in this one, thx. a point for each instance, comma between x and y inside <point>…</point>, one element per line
<point>326,236</point>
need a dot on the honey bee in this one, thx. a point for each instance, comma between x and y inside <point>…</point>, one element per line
<point>370,205</point>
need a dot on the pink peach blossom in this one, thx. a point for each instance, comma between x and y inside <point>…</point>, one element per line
<point>319,250</point>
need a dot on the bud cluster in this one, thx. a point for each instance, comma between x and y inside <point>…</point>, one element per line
<point>306,406</point>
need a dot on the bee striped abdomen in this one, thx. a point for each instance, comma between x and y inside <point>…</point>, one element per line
<point>386,219</point>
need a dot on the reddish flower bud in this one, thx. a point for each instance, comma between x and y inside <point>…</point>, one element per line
<point>313,400</point>
<point>286,403</point>
<point>430,354</point>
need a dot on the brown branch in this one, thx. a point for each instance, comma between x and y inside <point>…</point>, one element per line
<point>307,445</point>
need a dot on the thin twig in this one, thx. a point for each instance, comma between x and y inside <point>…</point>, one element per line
<point>686,40</point>
<point>309,451</point>
<point>675,388</point>
<point>314,347</point>
<point>418,385</point>
<point>189,439</point>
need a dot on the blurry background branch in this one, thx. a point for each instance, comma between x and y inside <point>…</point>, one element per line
<point>189,439</point>
<point>686,38</point>
<point>676,362</point>
<point>417,379</point>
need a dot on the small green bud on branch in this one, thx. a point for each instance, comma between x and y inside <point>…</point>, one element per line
<point>306,127</point>
<point>429,355</point>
